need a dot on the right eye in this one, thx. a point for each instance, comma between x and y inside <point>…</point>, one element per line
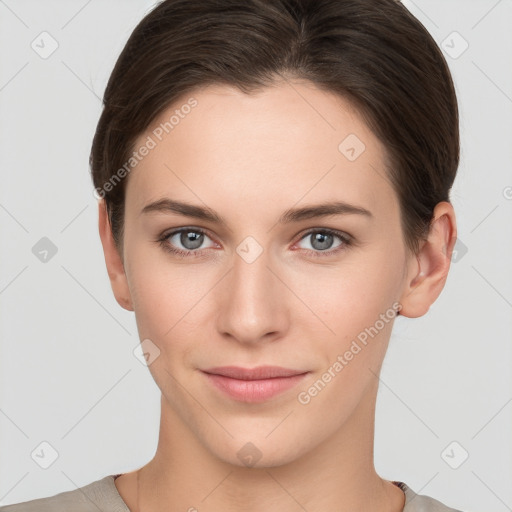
<point>190,240</point>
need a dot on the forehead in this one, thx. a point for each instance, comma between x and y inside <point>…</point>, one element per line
<point>285,142</point>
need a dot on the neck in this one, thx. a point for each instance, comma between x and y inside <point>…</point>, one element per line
<point>338,474</point>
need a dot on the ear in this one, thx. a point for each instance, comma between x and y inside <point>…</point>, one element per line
<point>115,266</point>
<point>428,273</point>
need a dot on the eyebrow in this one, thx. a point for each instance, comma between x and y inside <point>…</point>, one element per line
<point>167,205</point>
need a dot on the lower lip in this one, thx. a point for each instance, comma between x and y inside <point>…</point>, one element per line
<point>254,390</point>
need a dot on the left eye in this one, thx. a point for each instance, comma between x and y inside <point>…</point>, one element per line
<point>322,240</point>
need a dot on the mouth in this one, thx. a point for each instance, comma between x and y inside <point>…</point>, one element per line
<point>253,385</point>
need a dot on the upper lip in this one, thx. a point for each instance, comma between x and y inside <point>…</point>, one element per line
<point>258,373</point>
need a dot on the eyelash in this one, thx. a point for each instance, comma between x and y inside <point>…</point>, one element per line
<point>163,241</point>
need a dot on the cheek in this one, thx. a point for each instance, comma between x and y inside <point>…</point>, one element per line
<point>354,302</point>
<point>360,312</point>
<point>157,293</point>
<point>352,293</point>
<point>168,297</point>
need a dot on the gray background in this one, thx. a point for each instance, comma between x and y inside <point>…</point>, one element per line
<point>68,375</point>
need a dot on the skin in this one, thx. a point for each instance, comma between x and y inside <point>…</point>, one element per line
<point>249,158</point>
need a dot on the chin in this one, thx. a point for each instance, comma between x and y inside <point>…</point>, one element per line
<point>257,454</point>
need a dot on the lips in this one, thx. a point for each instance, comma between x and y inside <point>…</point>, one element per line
<point>253,384</point>
<point>258,373</point>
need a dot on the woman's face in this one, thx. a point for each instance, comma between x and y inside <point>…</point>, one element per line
<point>265,286</point>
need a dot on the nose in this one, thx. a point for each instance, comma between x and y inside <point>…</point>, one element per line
<point>252,301</point>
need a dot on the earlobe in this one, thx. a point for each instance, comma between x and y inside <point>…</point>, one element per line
<point>427,275</point>
<point>115,267</point>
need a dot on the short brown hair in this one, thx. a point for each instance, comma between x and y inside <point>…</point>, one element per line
<point>375,53</point>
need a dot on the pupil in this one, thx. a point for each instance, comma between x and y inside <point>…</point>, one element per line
<point>321,238</point>
<point>191,239</point>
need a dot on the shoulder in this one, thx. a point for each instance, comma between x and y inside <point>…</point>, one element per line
<point>98,496</point>
<point>420,503</point>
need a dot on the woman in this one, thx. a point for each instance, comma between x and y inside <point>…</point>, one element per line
<point>273,180</point>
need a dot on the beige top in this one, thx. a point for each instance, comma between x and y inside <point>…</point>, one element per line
<point>102,496</point>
